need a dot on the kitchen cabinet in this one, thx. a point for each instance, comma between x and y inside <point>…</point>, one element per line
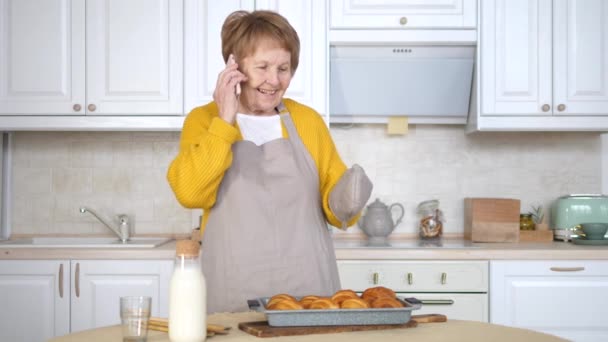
<point>457,289</point>
<point>563,298</point>
<point>402,14</point>
<point>35,298</point>
<point>203,58</point>
<point>402,22</point>
<point>48,298</point>
<point>91,57</point>
<point>543,65</point>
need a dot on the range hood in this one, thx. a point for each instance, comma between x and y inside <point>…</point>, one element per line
<point>427,83</point>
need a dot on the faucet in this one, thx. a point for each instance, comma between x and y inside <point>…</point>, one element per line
<point>123,227</point>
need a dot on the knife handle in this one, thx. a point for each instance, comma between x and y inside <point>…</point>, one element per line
<point>430,318</point>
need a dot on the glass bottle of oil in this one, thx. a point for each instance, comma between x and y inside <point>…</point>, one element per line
<point>526,222</point>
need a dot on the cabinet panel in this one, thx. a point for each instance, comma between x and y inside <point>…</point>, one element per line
<point>581,57</point>
<point>42,47</point>
<point>98,285</point>
<point>204,58</point>
<point>516,57</point>
<point>35,300</point>
<point>556,297</point>
<point>134,57</point>
<point>402,276</point>
<point>308,19</point>
<point>391,14</point>
<point>203,47</point>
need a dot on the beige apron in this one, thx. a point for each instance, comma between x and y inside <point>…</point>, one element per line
<point>267,233</point>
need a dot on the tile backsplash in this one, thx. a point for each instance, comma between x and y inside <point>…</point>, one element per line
<point>55,173</point>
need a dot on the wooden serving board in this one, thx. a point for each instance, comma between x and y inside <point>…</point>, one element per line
<point>262,329</point>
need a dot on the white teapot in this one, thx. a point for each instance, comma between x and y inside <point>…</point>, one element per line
<point>377,222</point>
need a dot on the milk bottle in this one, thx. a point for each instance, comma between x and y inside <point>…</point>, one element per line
<point>187,296</point>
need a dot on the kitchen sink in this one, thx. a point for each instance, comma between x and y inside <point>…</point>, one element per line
<point>83,242</point>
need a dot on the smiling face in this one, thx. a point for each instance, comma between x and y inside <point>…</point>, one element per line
<point>269,73</point>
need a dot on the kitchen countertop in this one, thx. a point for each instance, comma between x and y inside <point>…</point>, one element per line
<point>451,249</point>
<point>452,330</point>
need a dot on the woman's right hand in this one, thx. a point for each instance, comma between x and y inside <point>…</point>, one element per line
<point>225,94</point>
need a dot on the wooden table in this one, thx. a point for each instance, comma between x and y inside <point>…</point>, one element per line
<point>453,330</point>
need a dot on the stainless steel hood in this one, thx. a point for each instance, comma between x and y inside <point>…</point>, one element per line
<point>426,83</point>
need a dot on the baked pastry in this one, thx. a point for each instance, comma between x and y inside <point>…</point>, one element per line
<point>354,303</point>
<point>284,304</point>
<point>386,302</point>
<point>278,297</point>
<point>342,295</point>
<point>324,303</point>
<point>307,300</point>
<point>372,293</point>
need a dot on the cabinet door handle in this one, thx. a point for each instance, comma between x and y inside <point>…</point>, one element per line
<point>77,280</point>
<point>60,280</point>
<point>561,107</point>
<point>437,301</point>
<point>403,20</point>
<point>545,108</point>
<point>444,278</point>
<point>91,107</point>
<point>77,107</point>
<point>410,278</point>
<point>567,269</point>
<point>376,278</point>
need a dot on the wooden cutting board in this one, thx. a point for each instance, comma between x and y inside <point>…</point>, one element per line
<point>262,329</point>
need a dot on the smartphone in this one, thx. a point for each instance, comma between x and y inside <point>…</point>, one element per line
<point>238,85</point>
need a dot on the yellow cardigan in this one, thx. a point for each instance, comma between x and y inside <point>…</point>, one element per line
<point>205,154</point>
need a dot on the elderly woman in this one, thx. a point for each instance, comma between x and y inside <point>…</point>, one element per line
<point>266,172</point>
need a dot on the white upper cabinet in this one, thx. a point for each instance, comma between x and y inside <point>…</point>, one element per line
<point>203,24</point>
<point>134,57</point>
<point>397,14</point>
<point>308,18</point>
<point>91,57</point>
<point>543,65</point>
<point>580,57</point>
<point>203,47</point>
<point>42,57</point>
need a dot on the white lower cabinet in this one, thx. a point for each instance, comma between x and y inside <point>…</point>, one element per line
<point>457,289</point>
<point>564,298</point>
<point>47,298</point>
<point>35,297</point>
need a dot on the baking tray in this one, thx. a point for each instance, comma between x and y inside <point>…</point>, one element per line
<point>315,317</point>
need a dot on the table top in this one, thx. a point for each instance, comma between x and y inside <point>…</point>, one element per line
<point>453,330</point>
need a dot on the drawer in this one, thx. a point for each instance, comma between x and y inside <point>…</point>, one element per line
<point>415,276</point>
<point>465,306</point>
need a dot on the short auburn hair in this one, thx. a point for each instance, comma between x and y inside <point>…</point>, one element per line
<point>243,31</point>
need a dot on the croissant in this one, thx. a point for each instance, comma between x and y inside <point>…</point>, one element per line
<point>343,295</point>
<point>307,300</point>
<point>324,303</point>
<point>386,302</point>
<point>354,303</point>
<point>284,304</point>
<point>372,293</point>
<point>278,297</point>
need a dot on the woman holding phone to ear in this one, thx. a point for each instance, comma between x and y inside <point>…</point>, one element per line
<point>266,173</point>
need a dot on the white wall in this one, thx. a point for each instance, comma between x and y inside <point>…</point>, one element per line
<point>121,172</point>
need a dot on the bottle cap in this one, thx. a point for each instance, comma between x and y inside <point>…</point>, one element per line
<point>186,248</point>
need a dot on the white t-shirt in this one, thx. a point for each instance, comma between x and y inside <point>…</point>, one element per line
<point>259,129</point>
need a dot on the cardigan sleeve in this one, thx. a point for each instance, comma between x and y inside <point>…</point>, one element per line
<point>203,158</point>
